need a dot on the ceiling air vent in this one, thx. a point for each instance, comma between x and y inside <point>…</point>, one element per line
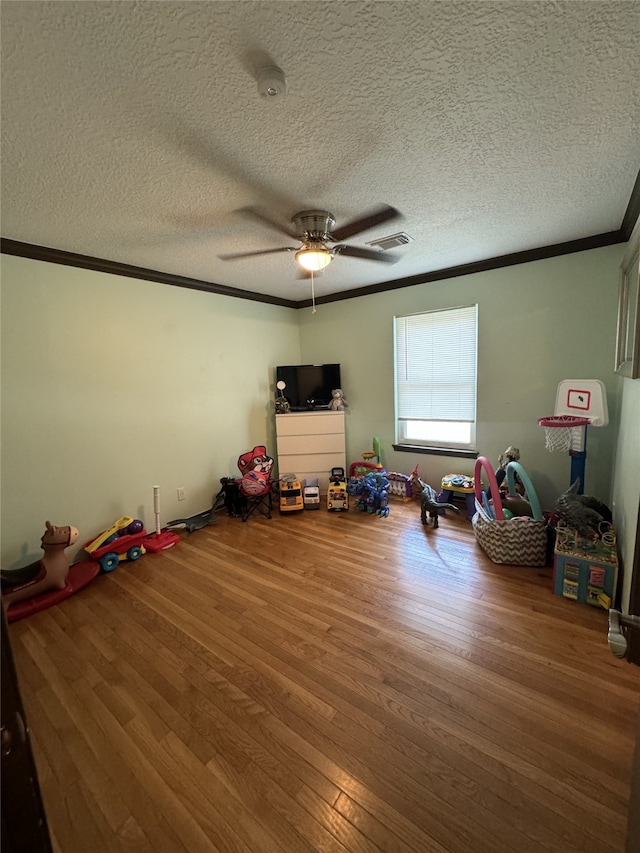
<point>392,241</point>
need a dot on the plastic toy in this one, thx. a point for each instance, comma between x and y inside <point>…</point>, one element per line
<point>361,469</point>
<point>373,454</point>
<point>492,500</point>
<point>579,403</point>
<point>586,569</point>
<point>161,539</point>
<point>458,484</point>
<point>372,492</point>
<point>80,575</point>
<point>290,494</point>
<point>400,484</point>
<point>49,572</point>
<point>283,407</point>
<point>583,513</point>
<point>311,495</point>
<point>337,495</point>
<point>430,503</point>
<point>516,475</point>
<point>115,544</point>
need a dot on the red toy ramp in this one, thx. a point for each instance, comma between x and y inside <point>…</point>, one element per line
<point>80,575</point>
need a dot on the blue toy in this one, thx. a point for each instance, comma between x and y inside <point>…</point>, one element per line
<point>372,492</point>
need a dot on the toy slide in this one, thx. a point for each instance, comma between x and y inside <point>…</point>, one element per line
<point>80,575</point>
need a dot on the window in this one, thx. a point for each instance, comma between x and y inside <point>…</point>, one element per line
<point>435,375</point>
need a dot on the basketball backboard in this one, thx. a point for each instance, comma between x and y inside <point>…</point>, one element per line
<point>584,398</point>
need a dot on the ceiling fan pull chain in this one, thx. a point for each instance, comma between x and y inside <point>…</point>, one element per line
<point>313,295</point>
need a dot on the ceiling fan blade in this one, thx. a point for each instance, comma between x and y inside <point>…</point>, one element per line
<point>370,220</point>
<point>234,257</point>
<point>205,149</point>
<point>259,214</point>
<point>367,254</point>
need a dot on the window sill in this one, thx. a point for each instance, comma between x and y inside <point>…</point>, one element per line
<point>436,451</point>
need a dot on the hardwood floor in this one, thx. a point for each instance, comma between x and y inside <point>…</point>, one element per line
<point>328,682</point>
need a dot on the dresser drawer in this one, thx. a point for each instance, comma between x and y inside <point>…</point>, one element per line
<point>332,443</point>
<point>313,423</point>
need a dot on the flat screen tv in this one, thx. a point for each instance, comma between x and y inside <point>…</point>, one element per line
<point>308,386</point>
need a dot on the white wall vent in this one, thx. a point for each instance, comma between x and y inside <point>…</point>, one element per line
<point>392,241</point>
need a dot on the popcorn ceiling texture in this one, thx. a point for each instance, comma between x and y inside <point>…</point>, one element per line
<point>134,131</point>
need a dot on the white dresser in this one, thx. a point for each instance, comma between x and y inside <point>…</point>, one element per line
<point>310,444</point>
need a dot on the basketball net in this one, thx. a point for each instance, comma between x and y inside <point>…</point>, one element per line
<point>558,438</point>
<point>564,432</point>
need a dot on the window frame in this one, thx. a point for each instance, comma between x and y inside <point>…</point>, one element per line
<point>441,446</point>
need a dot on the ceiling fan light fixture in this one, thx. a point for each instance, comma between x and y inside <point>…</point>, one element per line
<point>314,257</point>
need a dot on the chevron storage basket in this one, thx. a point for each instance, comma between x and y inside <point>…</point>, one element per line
<point>520,541</point>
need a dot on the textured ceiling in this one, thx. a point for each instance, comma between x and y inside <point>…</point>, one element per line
<point>134,132</point>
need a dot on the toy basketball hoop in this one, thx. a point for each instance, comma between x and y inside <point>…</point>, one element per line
<point>562,431</point>
<point>579,403</point>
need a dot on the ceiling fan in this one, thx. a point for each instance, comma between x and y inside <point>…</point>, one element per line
<point>315,229</point>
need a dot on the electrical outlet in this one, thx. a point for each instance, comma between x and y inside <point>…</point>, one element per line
<point>181,494</point>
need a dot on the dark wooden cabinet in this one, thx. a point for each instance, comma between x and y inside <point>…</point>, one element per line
<point>24,823</point>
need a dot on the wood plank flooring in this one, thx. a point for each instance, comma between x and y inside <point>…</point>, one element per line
<point>327,682</point>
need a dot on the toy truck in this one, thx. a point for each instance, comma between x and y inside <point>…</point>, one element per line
<point>337,495</point>
<point>291,499</point>
<point>311,495</point>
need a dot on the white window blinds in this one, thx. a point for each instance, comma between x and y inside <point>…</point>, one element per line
<point>436,365</point>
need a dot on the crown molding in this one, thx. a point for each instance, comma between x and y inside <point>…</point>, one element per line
<point>57,256</point>
<point>597,241</point>
<point>72,259</point>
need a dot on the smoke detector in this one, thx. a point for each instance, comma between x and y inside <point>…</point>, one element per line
<point>271,82</point>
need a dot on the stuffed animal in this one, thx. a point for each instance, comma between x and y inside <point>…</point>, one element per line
<point>511,454</point>
<point>338,402</point>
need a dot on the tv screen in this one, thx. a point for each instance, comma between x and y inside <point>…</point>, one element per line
<point>308,386</point>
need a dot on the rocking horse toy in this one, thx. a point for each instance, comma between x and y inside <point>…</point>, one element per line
<point>47,581</point>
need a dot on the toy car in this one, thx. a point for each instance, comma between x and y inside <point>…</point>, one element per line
<point>337,495</point>
<point>290,494</point>
<point>116,544</point>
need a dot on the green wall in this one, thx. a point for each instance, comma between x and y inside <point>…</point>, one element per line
<point>112,385</point>
<point>538,323</point>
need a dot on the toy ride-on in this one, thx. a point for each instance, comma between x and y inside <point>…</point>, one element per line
<point>49,580</point>
<point>337,495</point>
<point>122,541</point>
<point>291,498</point>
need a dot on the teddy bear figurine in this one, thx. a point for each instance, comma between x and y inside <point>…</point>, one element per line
<point>337,402</point>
